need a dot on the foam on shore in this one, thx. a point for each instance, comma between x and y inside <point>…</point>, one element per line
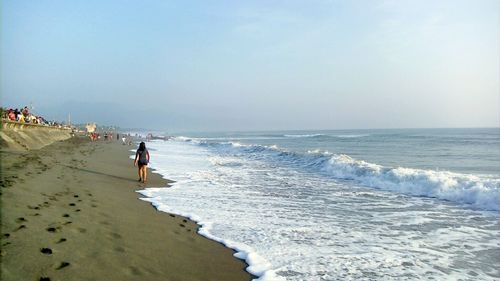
<point>289,218</point>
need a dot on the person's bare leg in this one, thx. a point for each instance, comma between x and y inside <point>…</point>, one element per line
<point>140,173</point>
<point>144,173</point>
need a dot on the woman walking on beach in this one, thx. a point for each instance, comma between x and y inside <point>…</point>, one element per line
<point>142,160</point>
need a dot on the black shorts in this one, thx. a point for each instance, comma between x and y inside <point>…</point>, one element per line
<point>142,163</point>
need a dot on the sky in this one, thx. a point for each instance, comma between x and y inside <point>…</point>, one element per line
<point>254,65</point>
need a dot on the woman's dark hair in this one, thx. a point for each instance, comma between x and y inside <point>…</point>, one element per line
<point>142,146</point>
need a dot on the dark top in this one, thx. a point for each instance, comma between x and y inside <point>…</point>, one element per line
<point>143,156</point>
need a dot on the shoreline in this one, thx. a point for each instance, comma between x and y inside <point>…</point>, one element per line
<point>238,254</point>
<point>70,211</point>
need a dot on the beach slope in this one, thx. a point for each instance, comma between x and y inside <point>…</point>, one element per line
<point>24,136</point>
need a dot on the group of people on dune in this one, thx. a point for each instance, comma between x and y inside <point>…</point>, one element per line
<point>24,115</point>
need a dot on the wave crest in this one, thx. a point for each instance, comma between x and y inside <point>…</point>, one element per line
<point>480,192</point>
<point>304,136</point>
<point>469,189</point>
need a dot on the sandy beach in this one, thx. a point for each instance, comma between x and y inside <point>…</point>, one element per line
<point>69,211</point>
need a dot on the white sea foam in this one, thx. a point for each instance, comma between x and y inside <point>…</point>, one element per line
<point>182,138</point>
<point>303,135</point>
<point>290,218</point>
<point>326,135</point>
<point>481,192</point>
<point>352,136</point>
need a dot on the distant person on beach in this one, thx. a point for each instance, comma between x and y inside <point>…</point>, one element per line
<point>12,115</point>
<point>18,114</point>
<point>142,160</point>
<point>25,111</point>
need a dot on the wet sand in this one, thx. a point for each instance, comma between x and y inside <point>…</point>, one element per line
<point>69,211</point>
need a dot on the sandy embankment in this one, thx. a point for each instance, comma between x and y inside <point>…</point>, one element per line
<point>19,136</point>
<point>70,212</point>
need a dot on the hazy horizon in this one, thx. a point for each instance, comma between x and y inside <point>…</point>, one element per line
<point>161,132</point>
<point>259,66</point>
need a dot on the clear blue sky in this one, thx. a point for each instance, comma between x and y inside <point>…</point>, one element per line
<point>254,65</point>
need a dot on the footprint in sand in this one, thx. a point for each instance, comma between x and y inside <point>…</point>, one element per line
<point>43,278</point>
<point>119,249</point>
<point>46,251</point>
<point>181,225</point>
<point>6,235</point>
<point>63,265</point>
<point>61,240</point>
<point>21,219</point>
<point>22,226</point>
<point>134,270</point>
<point>65,216</point>
<point>52,229</point>
<point>68,222</point>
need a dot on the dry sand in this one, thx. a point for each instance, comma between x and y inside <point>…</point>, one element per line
<point>70,212</point>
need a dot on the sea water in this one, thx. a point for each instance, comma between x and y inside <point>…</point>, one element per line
<point>342,205</point>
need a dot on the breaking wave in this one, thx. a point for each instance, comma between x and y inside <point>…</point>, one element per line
<point>479,191</point>
<point>304,136</point>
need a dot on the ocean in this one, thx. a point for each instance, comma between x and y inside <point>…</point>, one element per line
<point>413,204</point>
